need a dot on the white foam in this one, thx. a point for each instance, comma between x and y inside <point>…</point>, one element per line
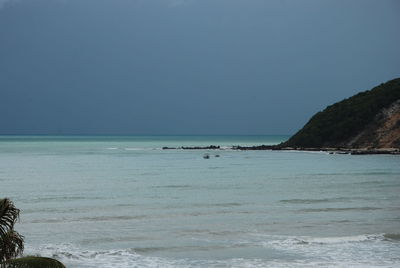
<point>320,244</point>
<point>350,251</point>
<point>141,149</point>
<point>332,240</point>
<point>369,250</point>
<point>298,240</point>
<point>127,258</point>
<point>344,239</point>
<point>75,257</point>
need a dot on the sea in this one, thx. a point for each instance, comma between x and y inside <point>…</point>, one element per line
<point>117,201</point>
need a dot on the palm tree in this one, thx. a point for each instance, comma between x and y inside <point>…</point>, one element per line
<point>12,243</point>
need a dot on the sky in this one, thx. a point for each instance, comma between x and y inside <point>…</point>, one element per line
<point>188,67</point>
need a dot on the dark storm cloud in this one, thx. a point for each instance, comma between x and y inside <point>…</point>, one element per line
<point>187,67</point>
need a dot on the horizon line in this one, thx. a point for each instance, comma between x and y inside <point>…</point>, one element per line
<point>133,135</point>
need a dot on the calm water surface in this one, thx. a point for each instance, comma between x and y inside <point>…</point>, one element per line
<point>124,202</point>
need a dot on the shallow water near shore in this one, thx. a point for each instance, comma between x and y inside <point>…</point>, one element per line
<point>125,202</point>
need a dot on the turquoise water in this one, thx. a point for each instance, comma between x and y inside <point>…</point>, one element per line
<point>124,202</point>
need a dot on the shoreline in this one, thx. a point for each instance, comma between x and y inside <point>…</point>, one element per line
<point>351,151</point>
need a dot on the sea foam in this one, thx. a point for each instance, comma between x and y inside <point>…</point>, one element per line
<point>368,250</point>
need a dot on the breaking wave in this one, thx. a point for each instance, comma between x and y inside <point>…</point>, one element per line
<point>375,250</point>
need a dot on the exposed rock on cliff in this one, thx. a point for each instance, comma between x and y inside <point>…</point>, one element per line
<point>383,132</point>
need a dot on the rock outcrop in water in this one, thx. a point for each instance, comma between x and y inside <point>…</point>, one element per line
<point>368,120</point>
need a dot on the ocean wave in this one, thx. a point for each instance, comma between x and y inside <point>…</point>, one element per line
<point>112,239</point>
<point>376,182</point>
<point>314,201</point>
<point>223,209</point>
<point>204,248</point>
<point>392,237</point>
<point>202,233</point>
<point>179,186</point>
<point>57,198</point>
<point>75,257</point>
<point>370,173</point>
<point>131,258</point>
<point>284,241</point>
<point>339,209</point>
<point>133,149</point>
<point>90,219</point>
<point>337,255</point>
<point>228,204</point>
<point>141,149</point>
<point>365,250</point>
<point>341,240</point>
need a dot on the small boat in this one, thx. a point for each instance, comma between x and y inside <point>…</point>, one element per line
<point>206,156</point>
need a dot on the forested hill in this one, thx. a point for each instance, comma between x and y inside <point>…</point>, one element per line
<point>370,119</point>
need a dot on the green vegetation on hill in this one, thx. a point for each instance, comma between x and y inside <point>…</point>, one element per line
<point>340,122</point>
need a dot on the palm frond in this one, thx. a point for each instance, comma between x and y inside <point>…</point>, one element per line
<point>11,245</point>
<point>9,215</point>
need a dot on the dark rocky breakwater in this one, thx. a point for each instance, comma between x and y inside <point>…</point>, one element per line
<point>358,151</point>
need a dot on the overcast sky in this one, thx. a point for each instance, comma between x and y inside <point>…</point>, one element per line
<point>187,66</point>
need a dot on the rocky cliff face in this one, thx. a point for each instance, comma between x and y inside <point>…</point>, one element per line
<point>370,119</point>
<point>383,132</point>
